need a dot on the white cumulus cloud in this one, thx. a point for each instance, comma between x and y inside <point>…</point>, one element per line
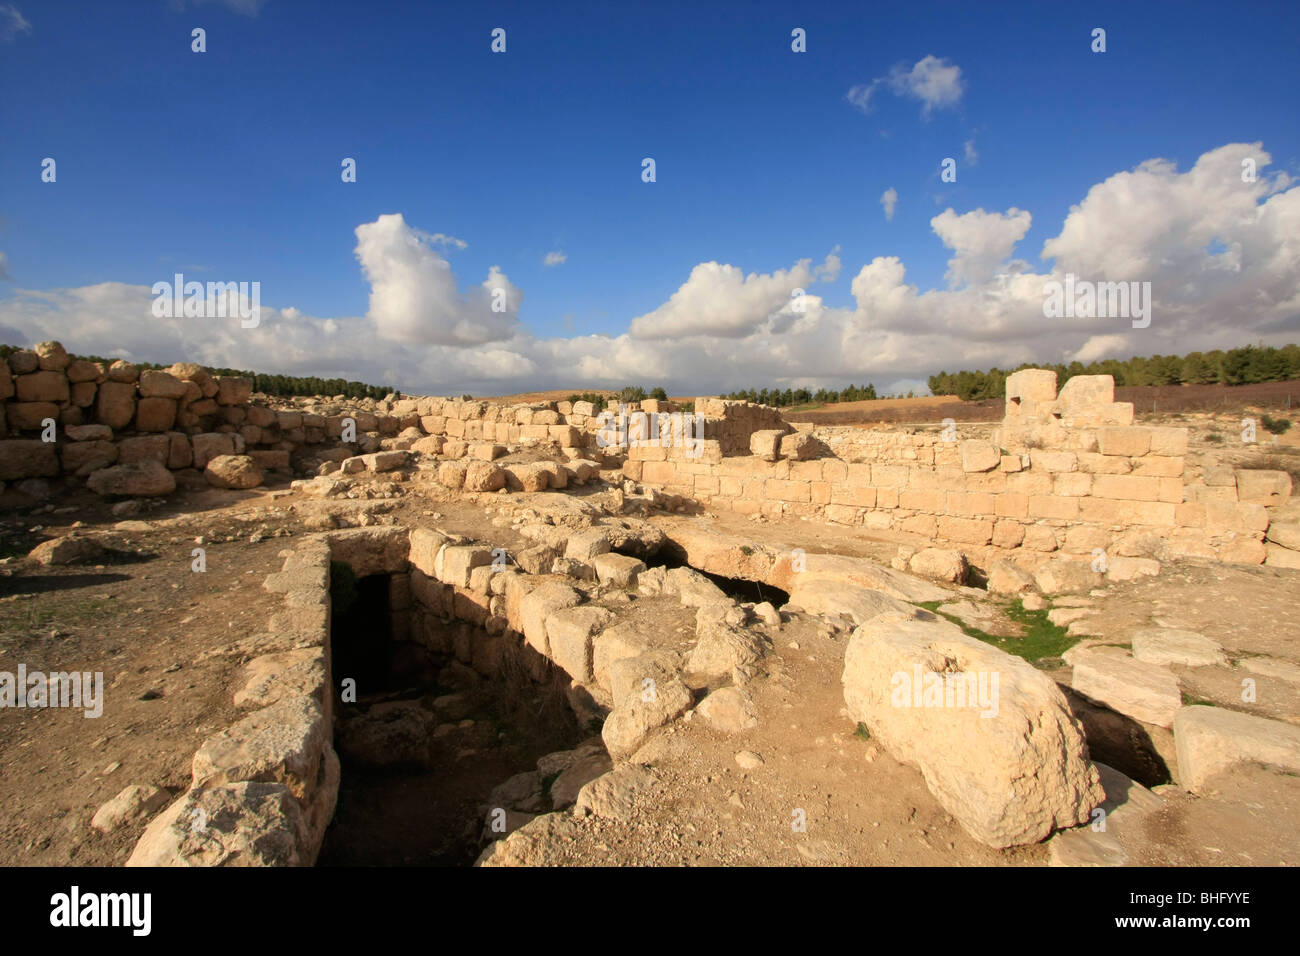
<point>720,300</point>
<point>414,298</point>
<point>888,200</point>
<point>932,81</point>
<point>1223,257</point>
<point>981,240</point>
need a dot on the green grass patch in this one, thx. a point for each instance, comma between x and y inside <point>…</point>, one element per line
<point>862,733</point>
<point>1041,639</point>
<point>812,407</point>
<point>1190,701</point>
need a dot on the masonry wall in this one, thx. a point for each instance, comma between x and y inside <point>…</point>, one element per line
<point>183,417</point>
<point>1063,473</point>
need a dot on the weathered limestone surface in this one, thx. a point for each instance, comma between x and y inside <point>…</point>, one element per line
<point>1009,778</point>
<point>1210,739</point>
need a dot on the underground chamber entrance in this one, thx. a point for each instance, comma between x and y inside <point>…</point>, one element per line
<point>740,589</point>
<point>430,716</point>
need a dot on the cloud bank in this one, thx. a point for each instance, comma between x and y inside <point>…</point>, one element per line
<point>1223,257</point>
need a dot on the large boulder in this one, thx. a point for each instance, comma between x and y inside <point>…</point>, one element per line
<point>233,471</point>
<point>68,549</point>
<point>1066,575</point>
<point>123,371</point>
<point>730,710</point>
<point>642,712</point>
<point>137,479</point>
<point>943,564</point>
<point>992,735</point>
<point>724,650</point>
<point>1007,578</point>
<point>538,605</point>
<point>27,458</point>
<point>43,386</point>
<point>52,356</point>
<point>483,476</point>
<point>24,361</point>
<point>234,390</point>
<point>155,414</point>
<point>766,444</point>
<point>115,403</point>
<point>209,445</point>
<point>236,824</point>
<point>156,384</point>
<point>86,456</point>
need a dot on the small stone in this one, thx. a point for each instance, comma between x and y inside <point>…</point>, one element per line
<point>749,760</point>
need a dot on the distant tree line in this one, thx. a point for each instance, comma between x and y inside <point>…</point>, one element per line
<point>278,385</point>
<point>1243,366</point>
<point>632,393</point>
<point>784,398</point>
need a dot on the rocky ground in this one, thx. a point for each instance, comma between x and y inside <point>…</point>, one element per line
<point>783,777</point>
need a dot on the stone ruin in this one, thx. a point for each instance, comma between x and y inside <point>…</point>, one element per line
<point>1067,475</point>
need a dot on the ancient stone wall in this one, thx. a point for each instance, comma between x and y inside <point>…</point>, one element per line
<point>1067,472</point>
<point>78,420</point>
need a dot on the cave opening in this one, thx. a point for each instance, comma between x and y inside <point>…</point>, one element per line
<point>426,725</point>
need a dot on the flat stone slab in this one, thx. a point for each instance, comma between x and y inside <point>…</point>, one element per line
<point>1145,692</point>
<point>1100,843</point>
<point>274,677</point>
<point>833,597</point>
<point>283,743</point>
<point>618,570</point>
<point>1272,667</point>
<point>1210,739</point>
<point>1168,645</point>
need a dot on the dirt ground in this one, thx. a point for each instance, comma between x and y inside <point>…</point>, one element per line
<point>144,620</point>
<point>159,633</point>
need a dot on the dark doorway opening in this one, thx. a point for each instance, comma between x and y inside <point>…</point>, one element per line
<point>361,636</point>
<point>427,737</point>
<point>742,589</point>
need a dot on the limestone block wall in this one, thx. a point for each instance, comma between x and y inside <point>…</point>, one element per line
<point>263,790</point>
<point>731,423</point>
<point>60,417</point>
<point>182,417</point>
<point>1067,472</point>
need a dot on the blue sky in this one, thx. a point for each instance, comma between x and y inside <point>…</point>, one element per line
<point>225,165</point>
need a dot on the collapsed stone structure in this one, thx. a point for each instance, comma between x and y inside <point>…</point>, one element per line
<point>1065,475</point>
